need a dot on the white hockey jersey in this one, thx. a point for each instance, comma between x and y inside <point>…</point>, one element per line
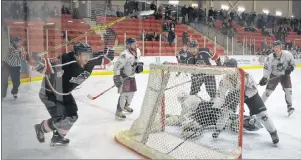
<point>125,64</point>
<point>277,66</point>
<point>228,85</point>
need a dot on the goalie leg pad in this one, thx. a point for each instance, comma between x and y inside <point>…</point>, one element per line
<point>266,121</point>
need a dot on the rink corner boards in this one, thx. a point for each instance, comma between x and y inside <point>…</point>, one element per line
<point>104,73</point>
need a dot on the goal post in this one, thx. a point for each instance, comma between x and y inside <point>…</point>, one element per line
<point>171,126</point>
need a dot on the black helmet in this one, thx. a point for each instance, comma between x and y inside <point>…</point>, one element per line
<point>230,63</point>
<point>277,43</point>
<point>16,39</point>
<point>129,41</point>
<point>193,44</point>
<point>82,47</point>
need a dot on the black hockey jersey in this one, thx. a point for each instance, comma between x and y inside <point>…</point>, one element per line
<point>67,77</point>
<point>203,57</point>
<point>184,56</point>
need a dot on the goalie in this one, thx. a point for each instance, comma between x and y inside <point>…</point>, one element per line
<point>196,115</point>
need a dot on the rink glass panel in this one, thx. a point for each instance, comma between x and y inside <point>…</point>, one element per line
<point>153,137</point>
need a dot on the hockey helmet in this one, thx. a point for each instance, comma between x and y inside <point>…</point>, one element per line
<point>193,44</point>
<point>82,47</point>
<point>277,43</point>
<point>129,41</point>
<point>230,63</point>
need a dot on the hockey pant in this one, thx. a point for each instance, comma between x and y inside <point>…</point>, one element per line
<point>286,84</point>
<point>127,91</point>
<point>14,73</point>
<point>198,80</point>
<point>63,113</point>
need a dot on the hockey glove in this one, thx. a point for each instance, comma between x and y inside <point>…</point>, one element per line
<point>263,81</point>
<point>44,66</point>
<point>139,67</point>
<point>117,80</point>
<point>289,70</point>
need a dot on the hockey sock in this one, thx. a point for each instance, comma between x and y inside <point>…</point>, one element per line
<point>266,95</point>
<point>288,96</point>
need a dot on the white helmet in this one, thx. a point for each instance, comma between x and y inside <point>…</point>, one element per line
<point>181,96</point>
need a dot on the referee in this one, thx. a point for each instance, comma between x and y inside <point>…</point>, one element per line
<point>11,67</point>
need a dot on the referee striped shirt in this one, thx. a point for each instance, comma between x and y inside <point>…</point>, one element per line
<point>14,57</point>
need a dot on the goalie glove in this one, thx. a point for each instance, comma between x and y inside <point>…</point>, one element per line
<point>44,66</point>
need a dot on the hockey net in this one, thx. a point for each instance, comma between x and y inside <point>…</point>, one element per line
<point>154,135</point>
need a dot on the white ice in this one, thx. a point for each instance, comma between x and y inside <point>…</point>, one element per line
<point>92,136</point>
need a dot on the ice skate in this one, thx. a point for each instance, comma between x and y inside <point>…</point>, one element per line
<point>120,116</point>
<point>128,109</point>
<point>15,96</point>
<point>58,140</point>
<point>274,137</point>
<point>178,74</point>
<point>290,110</point>
<point>39,133</point>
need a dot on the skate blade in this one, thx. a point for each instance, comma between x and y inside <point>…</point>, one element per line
<point>57,144</point>
<point>120,119</point>
<point>126,112</point>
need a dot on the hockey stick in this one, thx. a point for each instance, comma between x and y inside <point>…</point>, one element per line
<point>141,13</point>
<point>95,97</point>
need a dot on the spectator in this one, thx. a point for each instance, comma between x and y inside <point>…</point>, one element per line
<point>55,12</point>
<point>119,13</point>
<point>153,6</point>
<point>171,37</point>
<point>75,14</point>
<point>210,12</point>
<point>288,45</point>
<point>65,10</point>
<point>185,38</point>
<point>184,13</point>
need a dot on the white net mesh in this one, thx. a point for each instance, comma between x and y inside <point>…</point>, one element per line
<point>181,114</point>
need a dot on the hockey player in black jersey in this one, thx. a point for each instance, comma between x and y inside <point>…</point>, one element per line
<point>184,56</point>
<point>202,57</point>
<point>62,76</point>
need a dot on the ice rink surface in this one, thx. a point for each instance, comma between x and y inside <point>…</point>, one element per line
<point>92,136</point>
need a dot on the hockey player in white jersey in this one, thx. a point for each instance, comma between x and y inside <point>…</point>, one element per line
<point>278,67</point>
<point>252,99</point>
<point>125,68</point>
<point>197,114</point>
